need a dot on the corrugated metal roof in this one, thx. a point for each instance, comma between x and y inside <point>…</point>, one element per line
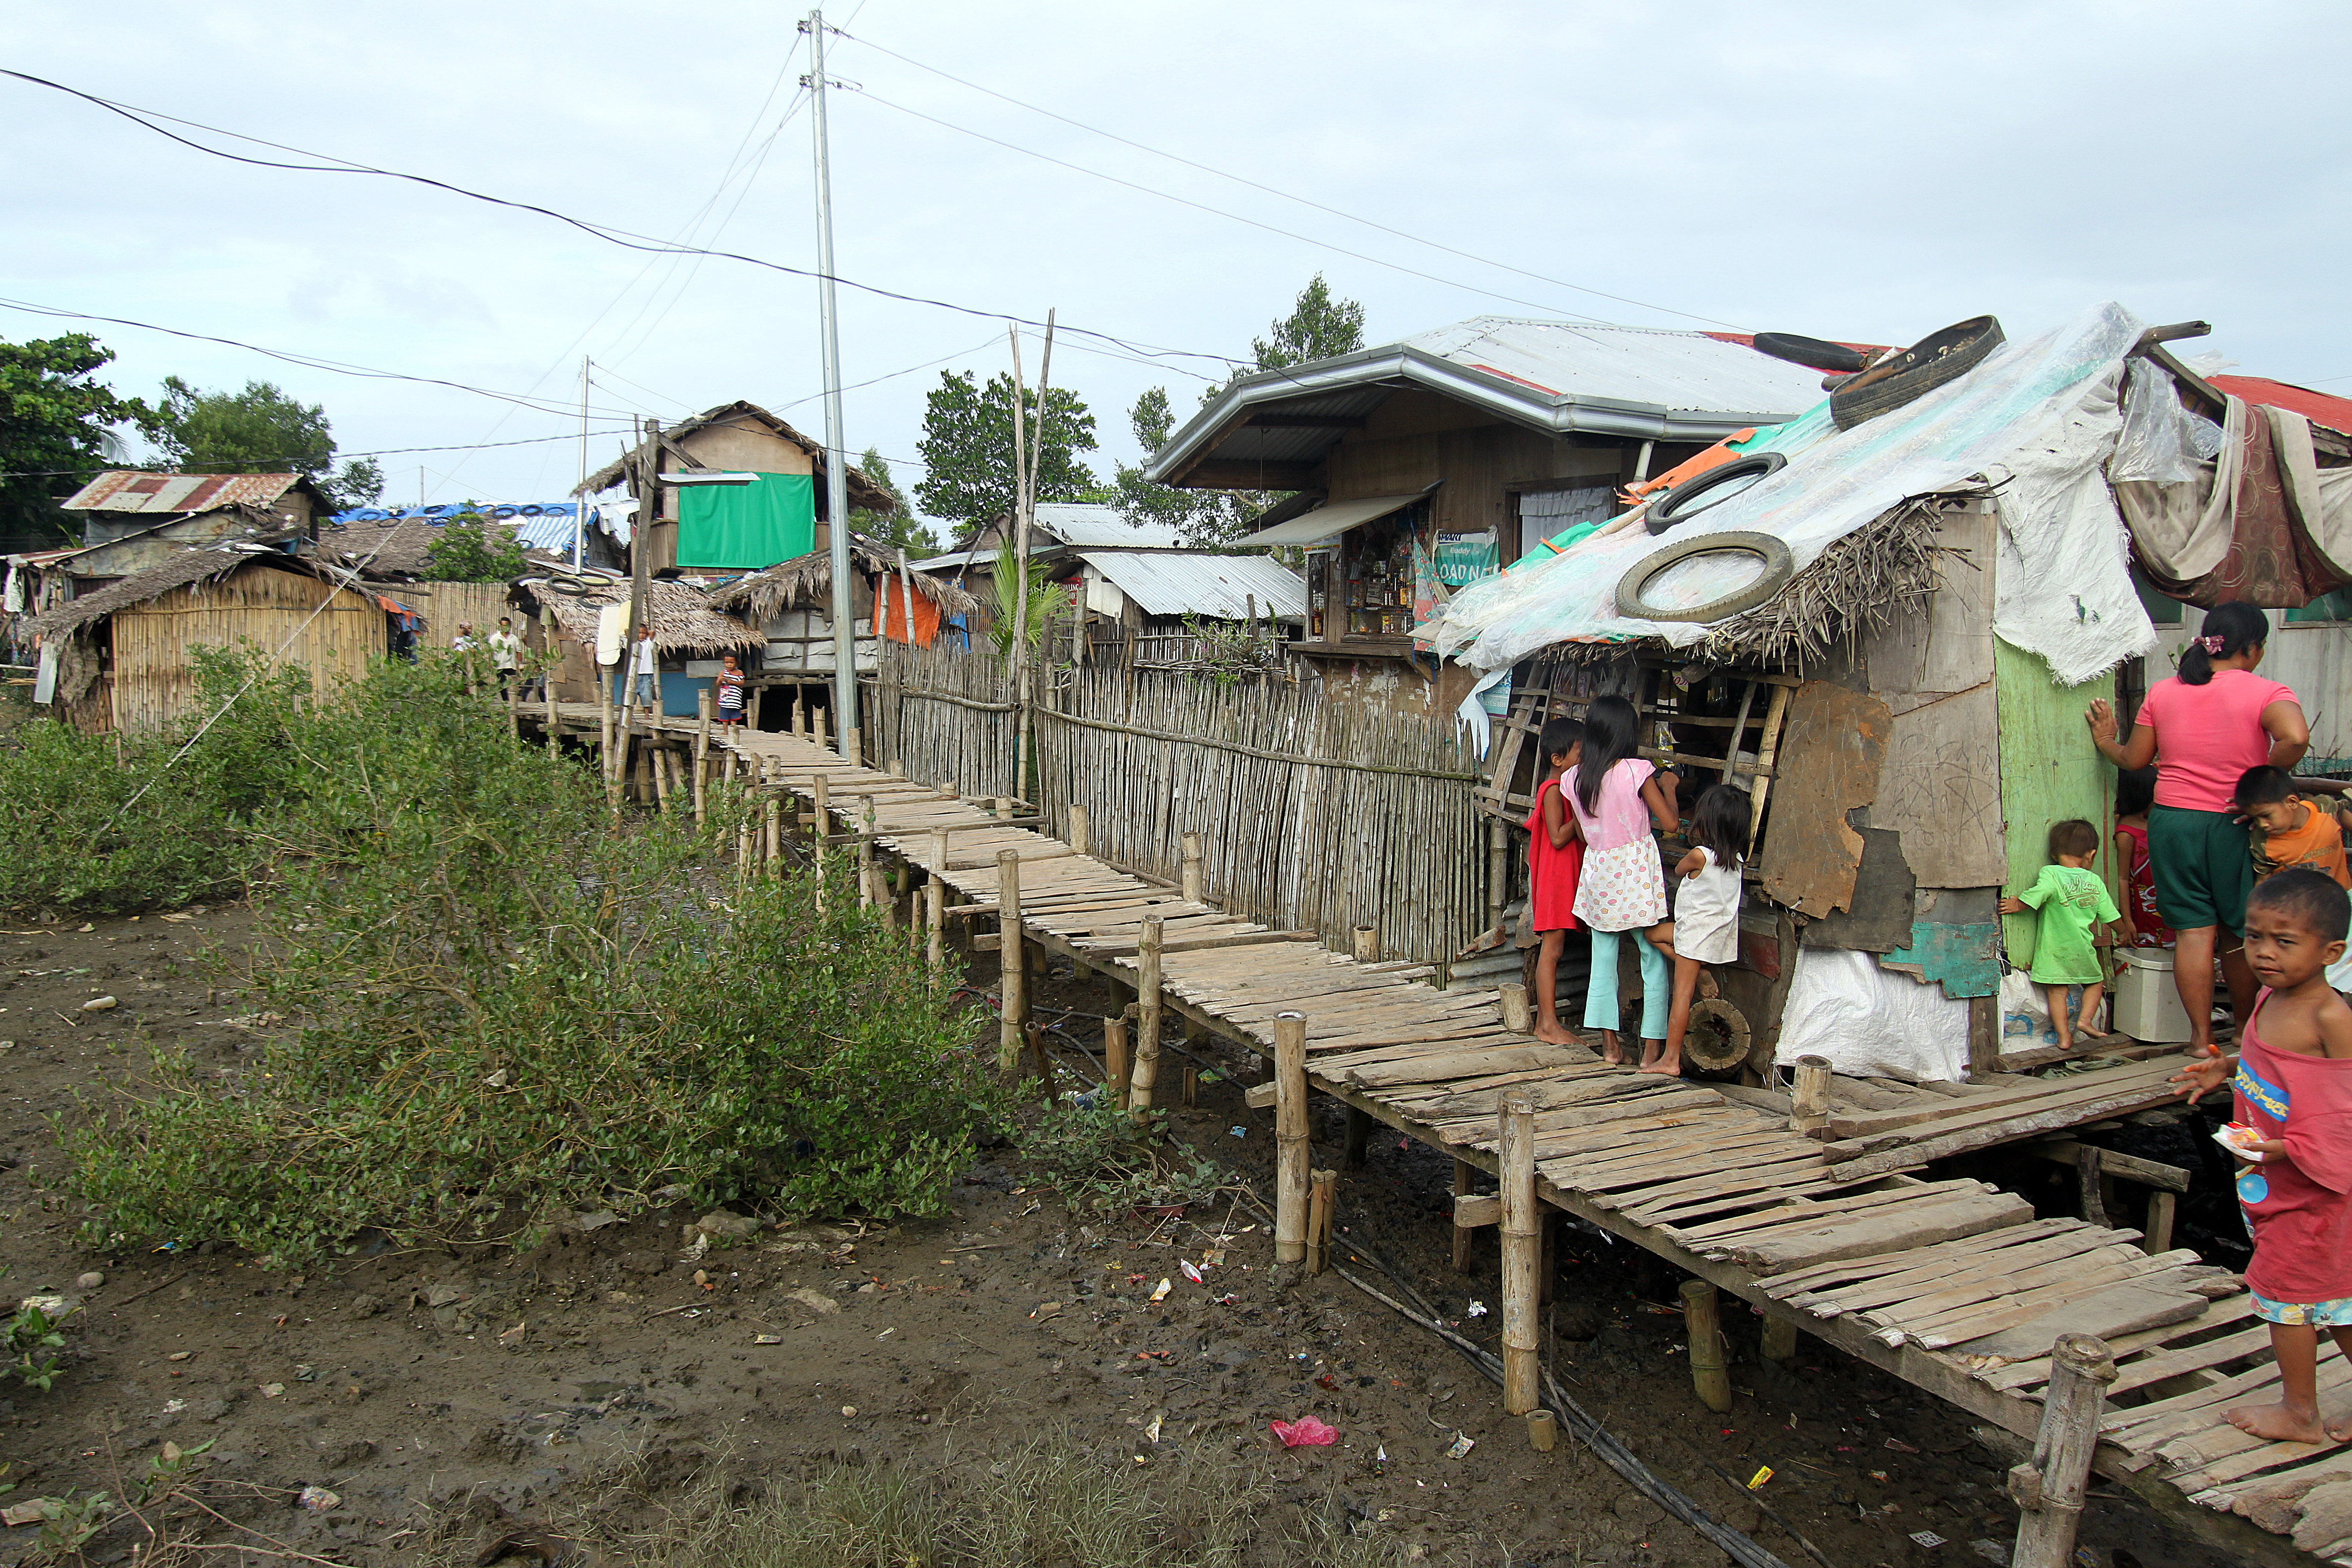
<point>121,489</point>
<point>1640,383</point>
<point>538,525</point>
<point>1096,525</point>
<point>1190,582</point>
<point>2320,408</point>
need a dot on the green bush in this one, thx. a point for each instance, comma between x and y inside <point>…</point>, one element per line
<point>1103,1161</point>
<point>503,1008</point>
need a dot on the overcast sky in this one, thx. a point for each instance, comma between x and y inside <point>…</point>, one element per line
<point>1849,171</point>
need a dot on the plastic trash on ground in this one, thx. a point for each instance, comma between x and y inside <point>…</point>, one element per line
<point>1304,1433</point>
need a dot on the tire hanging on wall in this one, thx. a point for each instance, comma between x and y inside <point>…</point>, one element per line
<point>1779,567</point>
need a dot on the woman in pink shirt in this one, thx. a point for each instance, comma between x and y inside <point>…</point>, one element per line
<point>2203,728</point>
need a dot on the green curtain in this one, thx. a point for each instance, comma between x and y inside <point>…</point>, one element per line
<point>741,527</point>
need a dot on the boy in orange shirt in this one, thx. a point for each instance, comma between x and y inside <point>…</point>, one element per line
<point>2289,830</point>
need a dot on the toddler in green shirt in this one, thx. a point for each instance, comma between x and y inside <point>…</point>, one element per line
<point>2070,902</point>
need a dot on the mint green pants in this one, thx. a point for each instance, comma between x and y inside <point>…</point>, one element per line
<point>1601,1009</point>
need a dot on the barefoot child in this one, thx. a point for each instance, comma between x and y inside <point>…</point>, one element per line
<point>2143,925</point>
<point>1555,856</point>
<point>1617,797</point>
<point>2070,900</point>
<point>1705,927</point>
<point>2293,1090</point>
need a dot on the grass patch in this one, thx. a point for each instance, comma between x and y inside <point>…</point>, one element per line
<point>500,1009</point>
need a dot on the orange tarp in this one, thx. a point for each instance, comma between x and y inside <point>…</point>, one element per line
<point>894,616</point>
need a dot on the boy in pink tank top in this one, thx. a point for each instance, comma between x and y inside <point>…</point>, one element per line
<point>2291,1130</point>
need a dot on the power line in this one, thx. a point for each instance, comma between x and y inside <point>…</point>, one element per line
<point>377,452</point>
<point>624,239</point>
<point>1287,196</point>
<point>1202,206</point>
<point>309,361</point>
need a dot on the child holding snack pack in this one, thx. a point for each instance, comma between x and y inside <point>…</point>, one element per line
<point>2290,1129</point>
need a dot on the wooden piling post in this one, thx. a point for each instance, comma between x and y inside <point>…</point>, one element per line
<point>1359,1139</point>
<point>1192,1085</point>
<point>514,705</point>
<point>1291,1152</point>
<point>1323,1197</point>
<point>799,717</point>
<point>1012,972</point>
<point>1705,1330</point>
<point>660,760</point>
<point>1464,1175</point>
<point>868,892</point>
<point>701,755</point>
<point>1147,1017</point>
<point>2049,1486</point>
<point>821,810</point>
<point>1194,872</point>
<point>1081,836</point>
<point>1004,808</point>
<point>604,724</point>
<point>1809,1101</point>
<point>1543,1431</point>
<point>1780,1338</point>
<point>1365,942</point>
<point>2161,1205</point>
<point>1522,1251</point>
<point>1515,1015</point>
<point>751,719</point>
<point>772,829</point>
<point>816,730</point>
<point>1116,1065</point>
<point>547,695</point>
<point>1498,872</point>
<point>935,903</point>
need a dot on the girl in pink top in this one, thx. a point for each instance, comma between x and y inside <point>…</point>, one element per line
<point>2215,715</point>
<point>1618,798</point>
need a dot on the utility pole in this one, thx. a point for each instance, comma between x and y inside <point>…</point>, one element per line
<point>580,496</point>
<point>837,458</point>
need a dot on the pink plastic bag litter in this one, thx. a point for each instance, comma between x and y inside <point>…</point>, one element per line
<point>1304,1433</point>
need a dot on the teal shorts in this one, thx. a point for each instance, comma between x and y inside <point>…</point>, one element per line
<point>2202,863</point>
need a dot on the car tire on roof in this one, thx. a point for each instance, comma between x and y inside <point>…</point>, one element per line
<point>1779,567</point>
<point>1818,354</point>
<point>1688,498</point>
<point>1932,361</point>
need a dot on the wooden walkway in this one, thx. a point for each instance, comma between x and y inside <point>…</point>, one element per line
<point>1953,1285</point>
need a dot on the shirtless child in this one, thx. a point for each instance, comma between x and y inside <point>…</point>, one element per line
<point>2293,1090</point>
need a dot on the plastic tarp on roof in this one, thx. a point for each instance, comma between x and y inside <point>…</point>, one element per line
<point>1984,423</point>
<point>1325,522</point>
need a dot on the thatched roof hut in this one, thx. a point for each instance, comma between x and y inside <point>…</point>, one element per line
<point>807,585</point>
<point>683,617</point>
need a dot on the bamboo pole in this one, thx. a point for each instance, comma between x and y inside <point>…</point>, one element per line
<point>1081,838</point>
<point>1366,944</point>
<point>1522,1250</point>
<point>816,726</point>
<point>1515,1015</point>
<point>1147,1017</point>
<point>605,723</point>
<point>772,830</point>
<point>661,779</point>
<point>1116,1065</point>
<point>868,893</point>
<point>1292,1155</point>
<point>701,755</point>
<point>547,696</point>
<point>1543,1431</point>
<point>1003,807</point>
<point>1195,883</point>
<point>1704,1330</point>
<point>1013,970</point>
<point>1323,1198</point>
<point>1779,1341</point>
<point>799,717</point>
<point>514,705</point>
<point>1465,1175</point>
<point>2049,1486</point>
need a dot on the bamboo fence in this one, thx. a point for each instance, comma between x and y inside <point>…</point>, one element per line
<point>1313,816</point>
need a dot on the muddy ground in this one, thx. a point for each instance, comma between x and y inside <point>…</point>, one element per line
<point>438,1395</point>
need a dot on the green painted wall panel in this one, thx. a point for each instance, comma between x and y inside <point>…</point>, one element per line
<point>2048,771</point>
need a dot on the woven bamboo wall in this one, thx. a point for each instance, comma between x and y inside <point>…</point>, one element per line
<point>1313,816</point>
<point>154,681</point>
<point>444,606</point>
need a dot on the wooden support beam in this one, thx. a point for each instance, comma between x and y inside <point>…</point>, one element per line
<point>1323,1198</point>
<point>1147,1019</point>
<point>2049,1486</point>
<point>2130,1167</point>
<point>1081,838</point>
<point>1515,1015</point>
<point>1205,943</point>
<point>1195,878</point>
<point>1474,1211</point>
<point>1291,1156</point>
<point>1116,1065</point>
<point>1703,1328</point>
<point>1358,1138</point>
<point>1465,1173</point>
<point>1522,1250</point>
<point>2158,1228</point>
<point>1809,1101</point>
<point>1013,974</point>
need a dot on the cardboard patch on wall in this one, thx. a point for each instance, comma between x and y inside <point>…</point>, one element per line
<point>1832,747</point>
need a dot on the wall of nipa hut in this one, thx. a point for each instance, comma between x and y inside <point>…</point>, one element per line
<point>154,679</point>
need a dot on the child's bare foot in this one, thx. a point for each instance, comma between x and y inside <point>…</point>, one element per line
<point>1666,1066</point>
<point>2278,1423</point>
<point>2340,1430</point>
<point>1554,1032</point>
<point>1612,1050</point>
<point>2086,1029</point>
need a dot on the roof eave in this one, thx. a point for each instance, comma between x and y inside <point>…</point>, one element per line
<point>1552,413</point>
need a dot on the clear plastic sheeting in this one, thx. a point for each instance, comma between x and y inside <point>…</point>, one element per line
<point>1835,482</point>
<point>2162,441</point>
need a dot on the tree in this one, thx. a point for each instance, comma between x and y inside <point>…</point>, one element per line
<point>967,449</point>
<point>898,529</point>
<point>1045,596</point>
<point>260,430</point>
<point>57,427</point>
<point>1319,327</point>
<point>473,549</point>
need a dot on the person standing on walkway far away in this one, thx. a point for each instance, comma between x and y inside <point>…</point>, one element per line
<point>2203,728</point>
<point>505,650</point>
<point>646,665</point>
<point>730,691</point>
